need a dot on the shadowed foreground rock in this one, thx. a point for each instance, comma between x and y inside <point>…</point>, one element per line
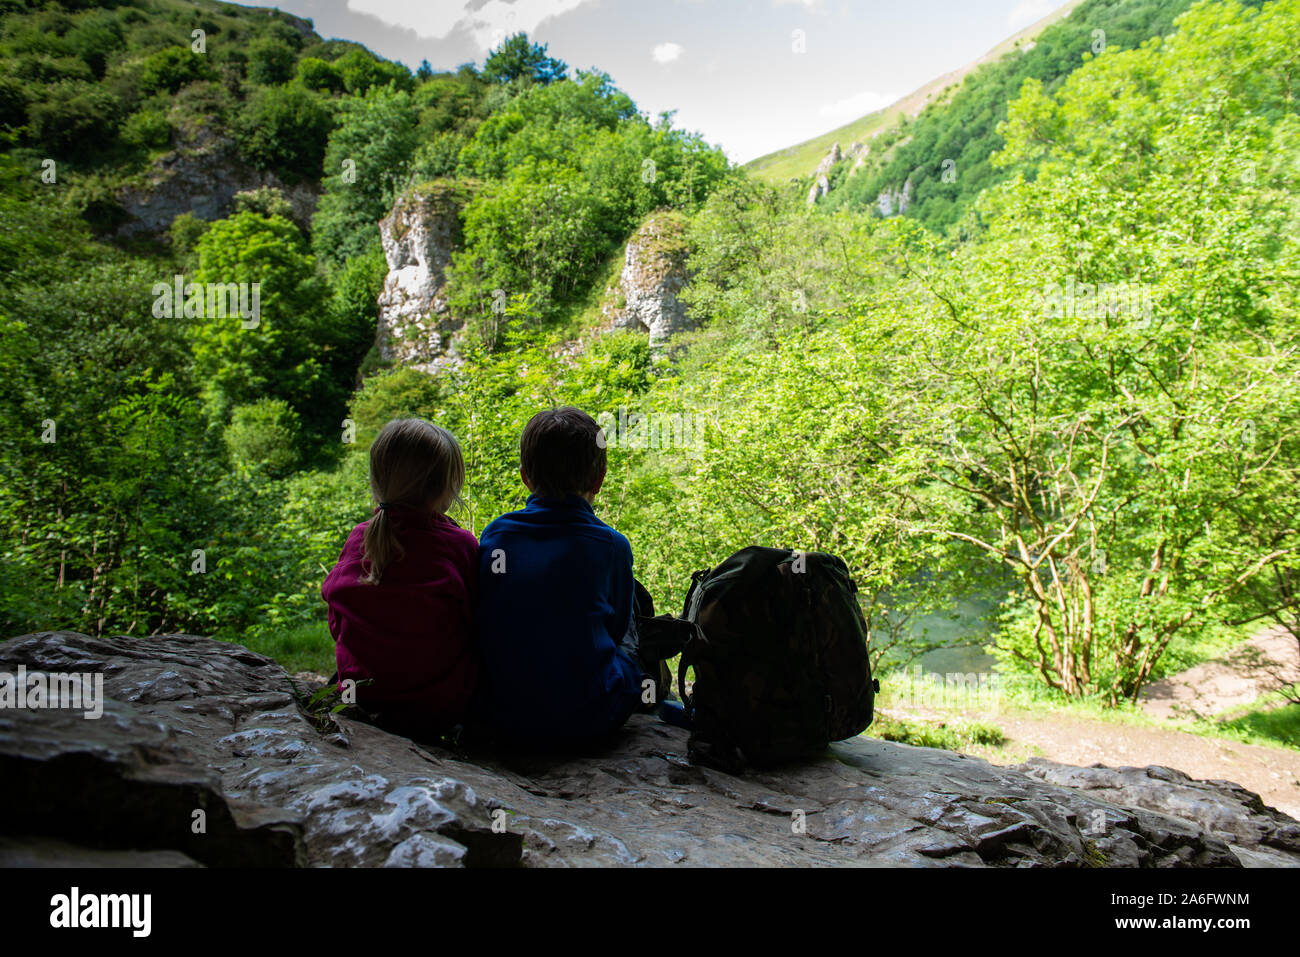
<point>196,724</point>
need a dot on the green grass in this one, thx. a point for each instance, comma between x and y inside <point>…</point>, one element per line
<point>1272,720</point>
<point>301,648</point>
<point>948,735</point>
<point>1269,727</point>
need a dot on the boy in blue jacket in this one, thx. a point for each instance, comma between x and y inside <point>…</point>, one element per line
<point>555,598</point>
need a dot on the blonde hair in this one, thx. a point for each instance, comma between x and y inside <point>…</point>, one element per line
<point>413,464</point>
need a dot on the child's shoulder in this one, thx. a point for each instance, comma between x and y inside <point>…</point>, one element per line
<point>449,528</point>
<point>621,543</point>
<point>502,523</point>
<point>357,535</point>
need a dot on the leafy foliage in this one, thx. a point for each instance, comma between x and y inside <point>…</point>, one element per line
<point>994,412</point>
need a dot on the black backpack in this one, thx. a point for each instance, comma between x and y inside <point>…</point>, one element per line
<point>779,648</point>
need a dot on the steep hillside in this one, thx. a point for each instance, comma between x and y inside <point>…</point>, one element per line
<point>800,160</point>
<point>153,108</point>
<point>931,166</point>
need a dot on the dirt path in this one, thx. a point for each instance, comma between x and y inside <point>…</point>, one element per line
<point>1273,773</point>
<point>1264,663</point>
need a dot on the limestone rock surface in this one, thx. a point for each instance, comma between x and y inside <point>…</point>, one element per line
<point>191,723</point>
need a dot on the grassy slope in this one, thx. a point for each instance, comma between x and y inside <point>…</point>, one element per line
<point>801,160</point>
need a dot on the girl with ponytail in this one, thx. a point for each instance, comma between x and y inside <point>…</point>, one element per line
<point>401,597</point>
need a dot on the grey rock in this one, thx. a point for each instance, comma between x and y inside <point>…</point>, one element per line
<point>654,273</point>
<point>857,152</point>
<point>833,156</point>
<point>51,852</point>
<point>895,201</point>
<point>202,177</point>
<point>819,189</point>
<point>192,721</point>
<point>419,236</point>
<point>1222,808</point>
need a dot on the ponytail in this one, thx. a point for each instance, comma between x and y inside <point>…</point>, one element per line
<point>381,546</point>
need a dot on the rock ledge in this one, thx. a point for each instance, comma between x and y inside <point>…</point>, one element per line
<point>192,724</point>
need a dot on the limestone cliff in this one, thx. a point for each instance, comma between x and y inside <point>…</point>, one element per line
<point>855,154</point>
<point>895,201</point>
<point>419,236</point>
<point>201,176</point>
<point>654,273</point>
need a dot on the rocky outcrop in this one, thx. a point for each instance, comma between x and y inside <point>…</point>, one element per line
<point>1257,834</point>
<point>828,162</point>
<point>857,152</point>
<point>201,177</point>
<point>654,273</point>
<point>419,236</point>
<point>196,724</point>
<point>895,201</point>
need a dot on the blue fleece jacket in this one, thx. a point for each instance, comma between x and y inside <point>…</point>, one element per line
<point>555,598</point>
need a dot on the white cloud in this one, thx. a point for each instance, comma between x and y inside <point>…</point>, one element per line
<point>487,22</point>
<point>667,52</point>
<point>1027,12</point>
<point>859,104</point>
<point>790,3</point>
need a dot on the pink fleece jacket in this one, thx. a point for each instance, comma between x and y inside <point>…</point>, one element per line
<point>412,633</point>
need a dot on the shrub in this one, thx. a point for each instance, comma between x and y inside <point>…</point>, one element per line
<point>147,129</point>
<point>94,38</point>
<point>75,118</point>
<point>186,231</point>
<point>285,129</point>
<point>13,102</point>
<point>42,68</point>
<point>271,61</point>
<point>266,200</point>
<point>319,75</point>
<point>361,70</point>
<point>263,435</point>
<point>172,68</point>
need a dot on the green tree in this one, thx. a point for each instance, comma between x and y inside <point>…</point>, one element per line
<point>74,119</point>
<point>274,352</point>
<point>362,70</point>
<point>263,434</point>
<point>285,129</point>
<point>271,61</point>
<point>170,69</point>
<point>366,165</point>
<point>517,59</point>
<point>319,75</point>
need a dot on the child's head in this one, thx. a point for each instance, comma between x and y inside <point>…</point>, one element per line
<point>561,453</point>
<point>414,465</point>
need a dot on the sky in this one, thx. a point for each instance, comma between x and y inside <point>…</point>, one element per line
<point>732,69</point>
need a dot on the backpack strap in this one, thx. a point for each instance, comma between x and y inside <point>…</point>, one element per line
<point>687,659</point>
<point>696,578</point>
<point>663,636</point>
<point>682,664</point>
